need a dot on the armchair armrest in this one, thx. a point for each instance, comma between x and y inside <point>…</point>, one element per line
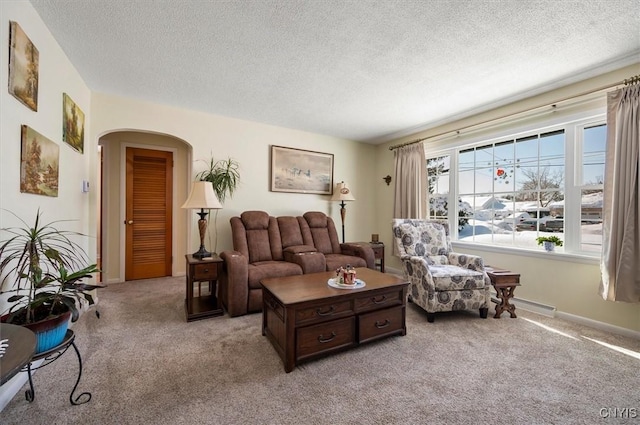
<point>362,250</point>
<point>234,287</point>
<point>467,261</point>
<point>307,257</point>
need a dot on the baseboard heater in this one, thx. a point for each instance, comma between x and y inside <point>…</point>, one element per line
<point>532,306</point>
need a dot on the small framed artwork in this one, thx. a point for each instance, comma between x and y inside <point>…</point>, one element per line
<point>39,164</point>
<point>301,171</point>
<point>72,124</point>
<point>23,67</point>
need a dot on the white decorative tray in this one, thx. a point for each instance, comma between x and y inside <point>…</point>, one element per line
<point>335,284</point>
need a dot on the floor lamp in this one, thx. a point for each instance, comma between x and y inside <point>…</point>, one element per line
<point>342,193</point>
<point>204,198</point>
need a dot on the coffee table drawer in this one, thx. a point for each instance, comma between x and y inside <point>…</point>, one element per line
<point>376,302</point>
<point>323,312</point>
<point>324,337</point>
<point>380,323</point>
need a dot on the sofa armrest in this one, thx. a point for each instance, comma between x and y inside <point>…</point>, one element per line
<point>234,287</point>
<point>309,261</point>
<point>362,250</point>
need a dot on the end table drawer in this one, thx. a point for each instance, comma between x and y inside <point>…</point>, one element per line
<point>316,339</point>
<point>205,271</point>
<point>380,323</point>
<point>373,302</point>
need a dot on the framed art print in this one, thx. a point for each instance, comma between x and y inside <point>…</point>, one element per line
<point>23,67</point>
<point>39,164</point>
<point>301,171</point>
<point>72,124</point>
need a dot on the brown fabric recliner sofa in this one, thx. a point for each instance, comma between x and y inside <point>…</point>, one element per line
<point>265,246</point>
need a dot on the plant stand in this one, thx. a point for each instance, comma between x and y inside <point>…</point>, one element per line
<point>49,357</point>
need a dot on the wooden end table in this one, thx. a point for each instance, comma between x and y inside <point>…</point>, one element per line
<point>378,252</point>
<point>505,283</point>
<point>204,270</point>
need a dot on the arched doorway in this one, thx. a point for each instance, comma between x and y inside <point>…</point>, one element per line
<point>145,178</point>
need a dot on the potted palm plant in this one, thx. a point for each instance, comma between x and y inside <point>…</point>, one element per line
<point>549,242</point>
<point>224,177</point>
<point>42,268</point>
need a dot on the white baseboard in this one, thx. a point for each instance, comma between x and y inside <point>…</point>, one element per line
<point>630,333</point>
<point>534,307</point>
<point>10,388</point>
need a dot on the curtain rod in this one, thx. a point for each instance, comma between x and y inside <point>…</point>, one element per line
<point>630,81</point>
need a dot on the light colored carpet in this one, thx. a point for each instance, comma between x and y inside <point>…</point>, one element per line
<point>144,364</point>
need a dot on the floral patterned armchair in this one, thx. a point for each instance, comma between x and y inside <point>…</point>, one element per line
<point>439,279</point>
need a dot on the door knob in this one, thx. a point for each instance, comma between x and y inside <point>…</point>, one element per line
<point>128,222</point>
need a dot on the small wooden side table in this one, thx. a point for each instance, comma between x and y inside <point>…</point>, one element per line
<point>204,270</point>
<point>378,252</point>
<point>505,283</point>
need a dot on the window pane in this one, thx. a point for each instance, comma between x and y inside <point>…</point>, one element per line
<point>438,177</point>
<point>504,168</point>
<point>527,164</point>
<point>593,153</point>
<point>591,220</point>
<point>466,165</point>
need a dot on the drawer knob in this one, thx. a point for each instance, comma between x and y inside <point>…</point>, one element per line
<point>379,300</point>
<point>384,324</point>
<point>325,313</point>
<point>322,339</point>
<point>206,270</point>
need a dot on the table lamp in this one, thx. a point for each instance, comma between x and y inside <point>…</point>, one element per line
<point>342,193</point>
<point>203,197</point>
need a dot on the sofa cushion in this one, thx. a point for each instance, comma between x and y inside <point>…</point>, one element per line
<point>290,233</point>
<point>323,232</point>
<point>265,269</point>
<point>263,242</point>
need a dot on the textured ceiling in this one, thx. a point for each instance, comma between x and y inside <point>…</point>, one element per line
<point>360,70</point>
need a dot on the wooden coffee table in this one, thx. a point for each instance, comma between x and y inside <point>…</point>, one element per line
<point>305,318</point>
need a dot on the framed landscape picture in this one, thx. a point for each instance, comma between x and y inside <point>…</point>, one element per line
<point>39,164</point>
<point>301,171</point>
<point>72,124</point>
<point>23,67</point>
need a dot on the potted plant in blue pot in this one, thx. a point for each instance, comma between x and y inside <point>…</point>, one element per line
<point>42,268</point>
<point>549,242</point>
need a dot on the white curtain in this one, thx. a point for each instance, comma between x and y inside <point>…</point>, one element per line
<point>410,176</point>
<point>620,264</point>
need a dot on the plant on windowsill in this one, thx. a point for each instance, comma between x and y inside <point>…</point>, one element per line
<point>42,268</point>
<point>549,242</point>
<point>224,177</point>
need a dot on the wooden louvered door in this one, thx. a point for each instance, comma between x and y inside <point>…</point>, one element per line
<point>148,213</point>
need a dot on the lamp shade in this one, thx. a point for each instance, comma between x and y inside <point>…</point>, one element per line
<point>202,196</point>
<point>342,193</point>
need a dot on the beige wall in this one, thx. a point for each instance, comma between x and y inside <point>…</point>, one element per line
<point>56,76</point>
<point>246,142</point>
<point>567,283</point>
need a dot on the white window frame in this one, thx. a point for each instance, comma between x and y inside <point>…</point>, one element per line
<point>573,125</point>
